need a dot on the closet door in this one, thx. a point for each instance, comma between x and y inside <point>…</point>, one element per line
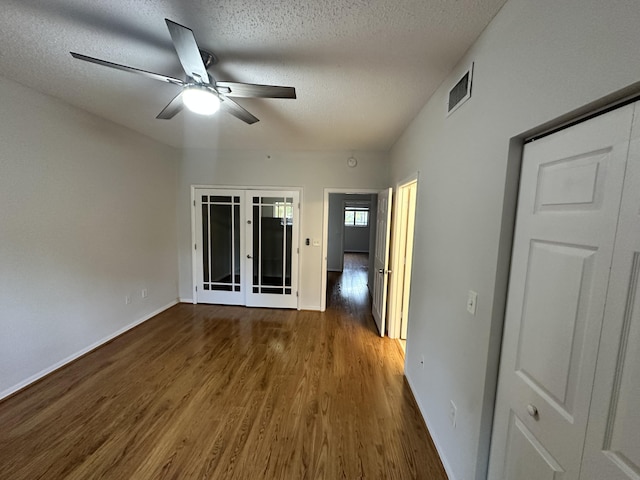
<point>218,249</point>
<point>568,206</point>
<point>612,449</point>
<point>272,221</point>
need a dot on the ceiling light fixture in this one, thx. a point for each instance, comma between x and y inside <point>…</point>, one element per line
<point>200,99</point>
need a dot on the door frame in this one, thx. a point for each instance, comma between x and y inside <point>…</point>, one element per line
<point>398,245</point>
<point>511,190</point>
<point>381,260</point>
<point>325,234</point>
<point>192,203</point>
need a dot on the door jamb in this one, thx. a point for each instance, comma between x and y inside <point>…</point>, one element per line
<point>395,300</point>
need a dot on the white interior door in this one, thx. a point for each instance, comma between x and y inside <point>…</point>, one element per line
<point>571,185</point>
<point>218,243</point>
<point>381,261</point>
<point>272,225</point>
<point>612,450</point>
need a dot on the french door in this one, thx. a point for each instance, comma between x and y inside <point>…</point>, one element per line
<point>272,246</point>
<point>246,247</point>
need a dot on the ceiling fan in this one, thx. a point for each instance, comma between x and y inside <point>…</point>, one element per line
<point>200,93</point>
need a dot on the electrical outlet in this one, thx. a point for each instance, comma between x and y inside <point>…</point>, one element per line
<point>127,300</point>
<point>453,410</point>
<point>144,293</point>
<point>472,302</point>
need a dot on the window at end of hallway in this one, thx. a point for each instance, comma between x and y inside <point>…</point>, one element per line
<point>356,216</point>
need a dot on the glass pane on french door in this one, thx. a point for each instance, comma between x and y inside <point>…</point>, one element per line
<point>272,232</point>
<point>218,248</point>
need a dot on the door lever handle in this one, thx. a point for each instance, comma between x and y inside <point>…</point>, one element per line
<point>249,256</point>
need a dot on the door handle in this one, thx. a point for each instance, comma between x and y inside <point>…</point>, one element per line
<point>532,410</point>
<point>249,256</point>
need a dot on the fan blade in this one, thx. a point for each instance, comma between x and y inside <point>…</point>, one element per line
<point>155,76</point>
<point>175,106</point>
<point>236,110</point>
<point>248,90</point>
<point>188,51</point>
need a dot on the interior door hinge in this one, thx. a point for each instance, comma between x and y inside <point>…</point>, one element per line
<point>196,288</point>
<point>297,294</point>
<point>195,246</point>
<point>194,203</point>
<point>298,250</point>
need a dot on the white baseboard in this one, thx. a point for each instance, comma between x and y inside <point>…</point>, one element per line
<point>313,308</point>
<point>84,351</point>
<point>443,458</point>
<point>301,307</point>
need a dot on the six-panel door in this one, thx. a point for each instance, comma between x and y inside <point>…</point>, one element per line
<point>568,206</point>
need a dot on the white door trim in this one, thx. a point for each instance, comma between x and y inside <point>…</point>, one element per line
<point>325,234</point>
<point>395,303</point>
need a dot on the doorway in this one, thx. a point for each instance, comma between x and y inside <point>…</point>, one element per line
<point>335,216</point>
<point>402,259</point>
<point>351,235</point>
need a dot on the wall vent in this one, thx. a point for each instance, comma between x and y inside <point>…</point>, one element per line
<point>461,91</point>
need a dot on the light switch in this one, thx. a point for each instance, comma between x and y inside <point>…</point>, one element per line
<point>472,301</point>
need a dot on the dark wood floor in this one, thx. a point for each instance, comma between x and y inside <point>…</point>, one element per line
<point>213,392</point>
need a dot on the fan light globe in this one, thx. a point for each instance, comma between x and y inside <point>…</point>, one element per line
<point>200,100</point>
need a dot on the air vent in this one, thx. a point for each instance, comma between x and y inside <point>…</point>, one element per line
<point>460,92</point>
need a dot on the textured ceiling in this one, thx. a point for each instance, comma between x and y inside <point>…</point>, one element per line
<point>362,68</point>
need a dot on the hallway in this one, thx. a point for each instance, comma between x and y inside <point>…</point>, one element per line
<point>347,290</point>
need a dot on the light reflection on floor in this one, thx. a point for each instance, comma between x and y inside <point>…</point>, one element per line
<point>350,285</point>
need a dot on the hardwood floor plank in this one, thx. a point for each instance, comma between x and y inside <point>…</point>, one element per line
<point>223,392</point>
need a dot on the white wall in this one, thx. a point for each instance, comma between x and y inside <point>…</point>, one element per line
<point>335,233</point>
<point>313,171</point>
<point>87,216</point>
<point>537,61</point>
